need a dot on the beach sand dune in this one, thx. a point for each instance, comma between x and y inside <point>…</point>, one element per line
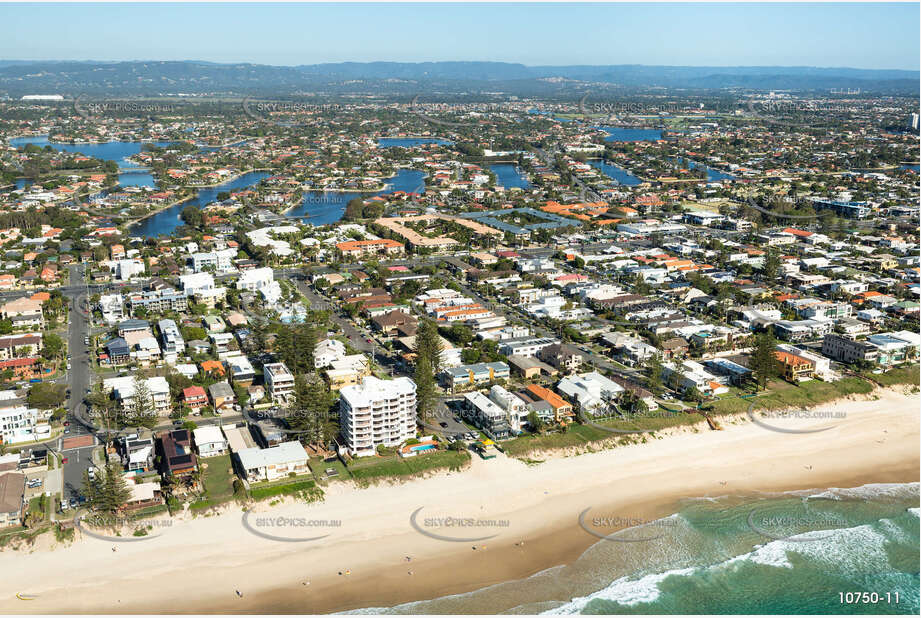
<point>530,513</point>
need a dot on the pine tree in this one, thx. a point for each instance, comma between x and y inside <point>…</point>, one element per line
<point>305,344</point>
<point>428,344</point>
<point>771,266</point>
<point>108,492</point>
<point>311,404</point>
<point>655,375</point>
<point>141,411</point>
<point>426,397</point>
<point>763,361</point>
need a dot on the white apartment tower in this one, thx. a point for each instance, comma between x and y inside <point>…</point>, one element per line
<point>377,412</point>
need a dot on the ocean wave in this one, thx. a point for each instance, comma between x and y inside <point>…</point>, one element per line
<point>859,549</point>
<point>870,491</point>
<point>626,591</point>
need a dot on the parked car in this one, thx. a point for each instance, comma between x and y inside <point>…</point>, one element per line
<point>443,424</point>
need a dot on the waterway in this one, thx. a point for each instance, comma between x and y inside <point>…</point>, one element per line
<point>409,142</point>
<point>614,172</point>
<point>618,134</point>
<point>712,174</point>
<point>509,176</point>
<point>130,173</point>
<point>325,207</point>
<point>167,220</point>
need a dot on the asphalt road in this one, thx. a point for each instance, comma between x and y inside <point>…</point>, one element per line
<point>79,380</point>
<point>358,339</point>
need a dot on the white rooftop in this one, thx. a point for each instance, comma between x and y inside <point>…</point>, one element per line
<point>208,434</point>
<point>253,458</point>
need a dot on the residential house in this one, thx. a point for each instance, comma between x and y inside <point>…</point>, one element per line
<point>222,397</point>
<point>23,313</point>
<point>592,393</point>
<point>195,398</point>
<point>12,498</point>
<point>846,350</point>
<point>273,463</point>
<point>279,382</point>
<point>209,441</point>
<point>563,356</point>
<point>562,409</point>
<point>794,368</point>
<point>176,456</point>
<point>477,373</point>
<point>487,415</point>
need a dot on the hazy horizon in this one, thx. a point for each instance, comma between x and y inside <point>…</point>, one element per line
<point>874,36</point>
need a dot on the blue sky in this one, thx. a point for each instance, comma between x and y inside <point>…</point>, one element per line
<point>874,36</point>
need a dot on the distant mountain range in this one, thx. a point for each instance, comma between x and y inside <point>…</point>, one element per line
<point>157,78</point>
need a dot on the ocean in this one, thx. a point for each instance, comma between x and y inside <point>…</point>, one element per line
<point>803,552</point>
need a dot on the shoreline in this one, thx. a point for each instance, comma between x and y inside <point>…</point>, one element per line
<point>209,557</point>
<point>384,187</point>
<point>196,188</point>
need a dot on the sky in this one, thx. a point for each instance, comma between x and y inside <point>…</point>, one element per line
<point>871,36</point>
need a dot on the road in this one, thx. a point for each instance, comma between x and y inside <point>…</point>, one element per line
<point>358,339</point>
<point>79,378</point>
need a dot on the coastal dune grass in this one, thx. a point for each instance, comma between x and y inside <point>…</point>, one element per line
<point>902,375</point>
<point>393,466</point>
<point>302,488</point>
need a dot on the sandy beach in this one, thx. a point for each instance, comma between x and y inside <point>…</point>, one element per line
<point>530,512</point>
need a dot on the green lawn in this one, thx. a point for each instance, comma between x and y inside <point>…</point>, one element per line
<point>785,395</point>
<point>38,505</point>
<point>303,488</point>
<point>901,375</point>
<point>318,467</point>
<point>394,466</point>
<point>217,478</point>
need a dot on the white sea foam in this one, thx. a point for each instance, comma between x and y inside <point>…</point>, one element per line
<point>857,549</point>
<point>625,590</point>
<point>771,554</point>
<point>870,491</point>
